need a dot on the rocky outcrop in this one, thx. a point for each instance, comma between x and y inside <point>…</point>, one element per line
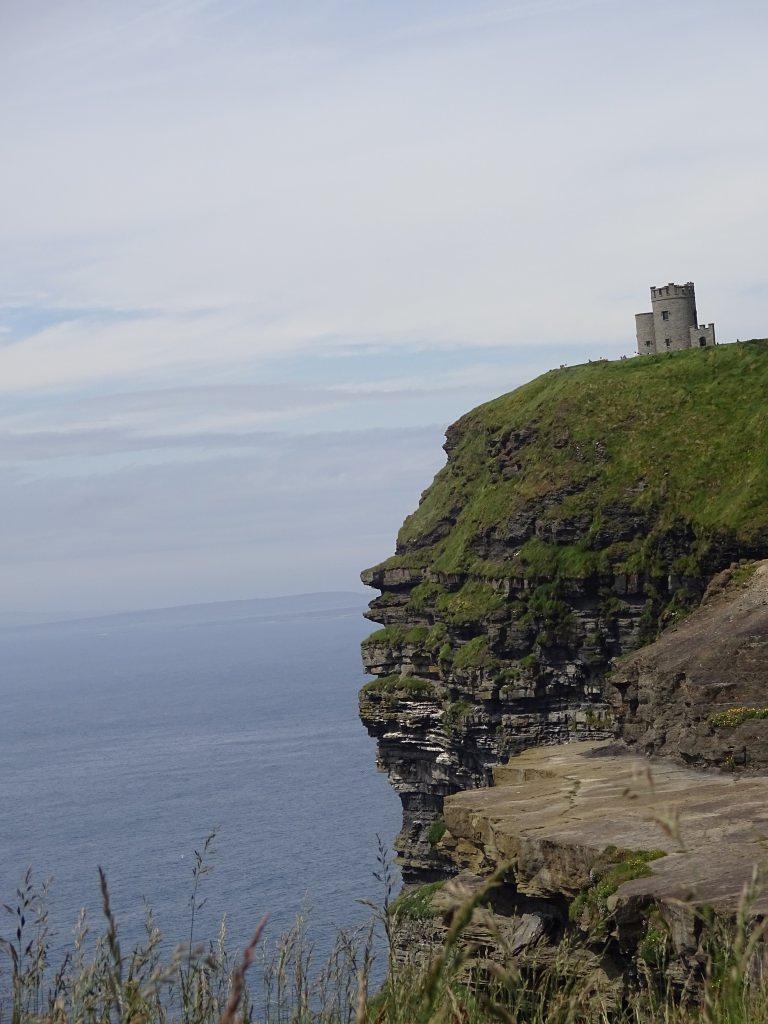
<point>574,519</point>
<point>484,669</point>
<point>607,861</point>
<point>699,694</point>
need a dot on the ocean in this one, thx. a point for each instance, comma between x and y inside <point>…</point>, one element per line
<point>125,740</point>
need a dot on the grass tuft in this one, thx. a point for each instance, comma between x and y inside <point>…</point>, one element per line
<point>663,440</point>
<point>455,983</point>
<point>416,904</point>
<point>400,687</point>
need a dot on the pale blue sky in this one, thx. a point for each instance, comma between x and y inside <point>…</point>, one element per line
<point>256,255</point>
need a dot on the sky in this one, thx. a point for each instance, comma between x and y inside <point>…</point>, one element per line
<point>255,256</point>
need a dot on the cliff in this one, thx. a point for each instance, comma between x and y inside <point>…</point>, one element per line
<point>698,694</point>
<point>574,519</point>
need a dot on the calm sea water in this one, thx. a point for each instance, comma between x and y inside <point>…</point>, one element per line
<point>123,741</point>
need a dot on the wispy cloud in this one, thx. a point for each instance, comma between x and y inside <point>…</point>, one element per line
<point>225,225</point>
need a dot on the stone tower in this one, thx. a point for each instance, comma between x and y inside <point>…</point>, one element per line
<point>673,324</point>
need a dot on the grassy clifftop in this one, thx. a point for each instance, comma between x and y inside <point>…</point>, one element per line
<point>593,465</point>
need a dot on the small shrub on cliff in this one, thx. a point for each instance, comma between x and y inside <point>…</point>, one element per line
<point>396,636</point>
<point>598,720</point>
<point>416,904</point>
<point>435,638</point>
<point>590,908</point>
<point>475,653</point>
<point>743,574</point>
<point>654,945</point>
<point>436,831</point>
<point>611,607</point>
<point>407,687</point>
<point>559,561</point>
<point>679,607</point>
<point>445,653</point>
<point>424,596</point>
<point>650,618</point>
<point>475,602</point>
<point>455,712</point>
<point>550,616</point>
<point>735,716</point>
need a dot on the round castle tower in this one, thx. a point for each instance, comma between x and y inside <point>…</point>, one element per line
<point>673,323</point>
<point>674,314</point>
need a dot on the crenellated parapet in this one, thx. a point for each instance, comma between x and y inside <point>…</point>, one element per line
<point>673,322</point>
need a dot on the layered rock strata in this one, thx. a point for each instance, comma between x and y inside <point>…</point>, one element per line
<point>455,695</point>
<point>699,694</point>
<point>607,857</point>
<point>573,520</point>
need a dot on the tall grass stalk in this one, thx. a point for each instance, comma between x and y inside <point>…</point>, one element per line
<point>98,982</point>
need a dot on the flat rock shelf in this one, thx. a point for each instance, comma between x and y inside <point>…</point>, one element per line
<point>554,811</point>
<point>606,864</point>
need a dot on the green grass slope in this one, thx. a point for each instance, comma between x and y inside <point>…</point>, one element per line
<point>676,441</point>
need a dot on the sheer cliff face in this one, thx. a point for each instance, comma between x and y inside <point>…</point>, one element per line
<point>573,517</point>
<point>699,694</point>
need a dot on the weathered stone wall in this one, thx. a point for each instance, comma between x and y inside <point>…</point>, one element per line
<point>646,334</point>
<point>703,336</point>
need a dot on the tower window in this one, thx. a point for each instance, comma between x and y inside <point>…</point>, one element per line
<point>665,314</point>
<point>667,342</point>
<point>702,342</point>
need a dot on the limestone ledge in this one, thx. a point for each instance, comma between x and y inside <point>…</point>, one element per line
<point>604,847</point>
